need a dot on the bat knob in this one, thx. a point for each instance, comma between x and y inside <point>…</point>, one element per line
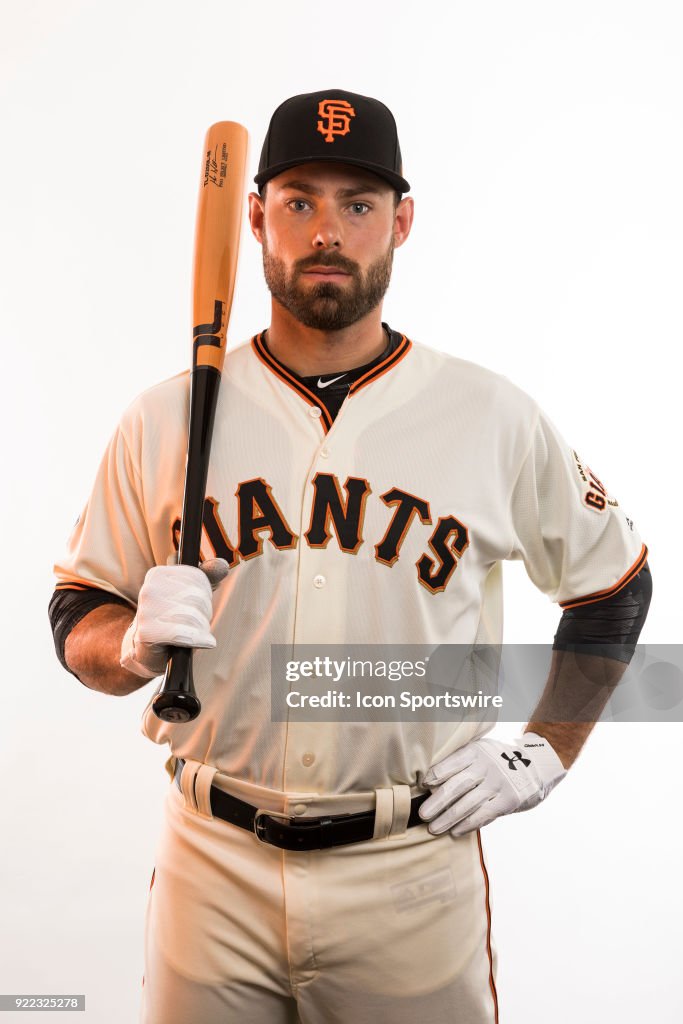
<point>176,707</point>
<point>177,699</point>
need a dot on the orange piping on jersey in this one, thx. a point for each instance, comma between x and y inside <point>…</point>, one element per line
<point>296,385</point>
<point>492,983</point>
<point>77,583</point>
<point>378,371</point>
<point>600,595</point>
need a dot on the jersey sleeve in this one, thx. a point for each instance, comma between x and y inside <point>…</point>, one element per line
<point>109,547</point>
<point>576,542</point>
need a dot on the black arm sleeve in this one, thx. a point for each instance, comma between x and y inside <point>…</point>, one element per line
<point>68,607</point>
<point>612,626</point>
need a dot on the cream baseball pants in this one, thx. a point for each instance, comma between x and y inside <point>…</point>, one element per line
<point>394,930</point>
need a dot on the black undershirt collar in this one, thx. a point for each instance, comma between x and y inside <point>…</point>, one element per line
<point>335,386</point>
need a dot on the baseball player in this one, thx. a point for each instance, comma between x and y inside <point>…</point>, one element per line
<point>364,488</point>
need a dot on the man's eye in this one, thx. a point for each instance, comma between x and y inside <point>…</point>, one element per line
<point>359,207</point>
<point>297,204</point>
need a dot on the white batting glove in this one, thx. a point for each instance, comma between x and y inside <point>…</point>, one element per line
<point>485,779</point>
<point>174,610</point>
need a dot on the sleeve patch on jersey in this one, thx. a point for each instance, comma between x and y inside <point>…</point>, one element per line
<point>594,494</point>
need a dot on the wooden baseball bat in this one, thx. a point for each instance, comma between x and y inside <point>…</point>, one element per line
<point>216,245</point>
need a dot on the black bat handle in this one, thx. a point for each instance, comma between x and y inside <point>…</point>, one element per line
<point>177,700</point>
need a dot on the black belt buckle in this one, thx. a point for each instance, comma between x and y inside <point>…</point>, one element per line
<point>261,828</point>
<point>310,830</point>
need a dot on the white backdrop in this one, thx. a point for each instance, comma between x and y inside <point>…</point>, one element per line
<point>543,144</point>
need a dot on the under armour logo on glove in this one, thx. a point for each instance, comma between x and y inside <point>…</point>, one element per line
<point>485,779</point>
<point>517,757</point>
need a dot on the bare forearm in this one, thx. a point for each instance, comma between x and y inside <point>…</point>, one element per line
<point>578,688</point>
<point>93,650</point>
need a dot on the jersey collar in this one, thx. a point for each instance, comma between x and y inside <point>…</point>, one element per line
<point>374,371</point>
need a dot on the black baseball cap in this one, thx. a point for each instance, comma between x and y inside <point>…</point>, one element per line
<point>333,124</point>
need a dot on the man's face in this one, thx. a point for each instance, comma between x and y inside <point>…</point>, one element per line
<point>328,233</point>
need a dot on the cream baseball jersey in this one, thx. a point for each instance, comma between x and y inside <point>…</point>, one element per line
<point>388,524</point>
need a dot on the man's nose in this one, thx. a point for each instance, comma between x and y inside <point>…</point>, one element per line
<point>327,230</point>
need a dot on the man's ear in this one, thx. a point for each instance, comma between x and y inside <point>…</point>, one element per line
<point>403,220</point>
<point>256,215</point>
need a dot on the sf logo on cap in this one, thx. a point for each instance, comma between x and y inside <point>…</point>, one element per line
<point>338,114</point>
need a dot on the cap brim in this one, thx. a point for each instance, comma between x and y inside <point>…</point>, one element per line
<point>395,180</point>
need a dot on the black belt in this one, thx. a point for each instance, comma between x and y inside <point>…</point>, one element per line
<point>298,833</point>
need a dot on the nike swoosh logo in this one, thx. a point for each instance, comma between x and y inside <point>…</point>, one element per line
<point>327,383</point>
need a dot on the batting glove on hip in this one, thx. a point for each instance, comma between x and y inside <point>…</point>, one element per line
<point>485,779</point>
<point>174,610</point>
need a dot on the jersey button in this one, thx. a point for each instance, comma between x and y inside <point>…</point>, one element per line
<point>324,453</point>
<point>299,808</point>
<point>307,760</point>
<point>315,412</point>
<point>319,581</point>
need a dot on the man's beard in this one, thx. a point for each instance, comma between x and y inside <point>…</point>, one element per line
<point>328,306</point>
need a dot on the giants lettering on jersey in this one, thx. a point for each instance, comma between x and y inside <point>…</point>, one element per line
<point>336,510</point>
<point>595,496</point>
